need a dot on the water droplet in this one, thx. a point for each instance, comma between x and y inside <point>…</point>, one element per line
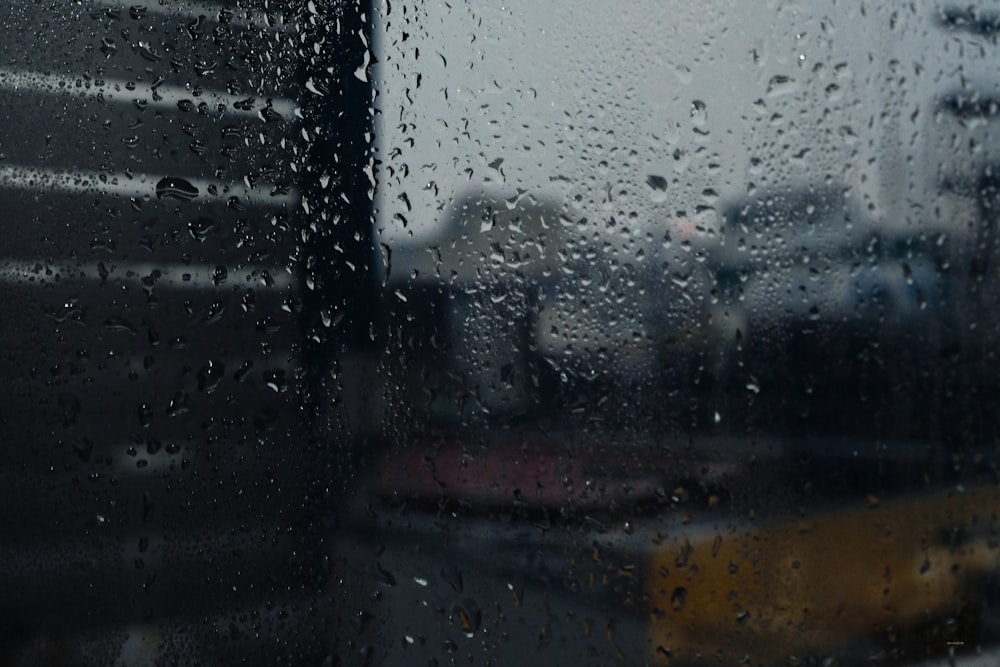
<point>249,301</point>
<point>178,404</point>
<point>657,188</point>
<point>516,589</point>
<point>684,554</point>
<point>219,275</point>
<point>210,375</point>
<point>118,323</point>
<point>214,313</point>
<point>200,228</point>
<point>699,113</point>
<point>677,598</point>
<point>145,50</point>
<point>276,381</point>
<point>243,372</point>
<point>386,253</point>
<point>172,187</point>
<point>245,105</point>
<point>469,617</point>
<point>781,85</point>
<point>145,414</point>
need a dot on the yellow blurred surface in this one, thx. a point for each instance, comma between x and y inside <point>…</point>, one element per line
<point>807,584</point>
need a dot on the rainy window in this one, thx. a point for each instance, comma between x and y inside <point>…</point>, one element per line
<point>394,333</point>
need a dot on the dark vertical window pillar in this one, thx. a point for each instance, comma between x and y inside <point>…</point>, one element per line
<point>339,293</point>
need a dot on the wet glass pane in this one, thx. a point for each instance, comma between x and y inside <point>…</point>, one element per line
<point>163,172</point>
<point>686,321</point>
<point>422,333</point>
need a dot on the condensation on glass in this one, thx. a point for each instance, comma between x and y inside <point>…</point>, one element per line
<point>166,171</point>
<point>575,332</point>
<point>687,312</point>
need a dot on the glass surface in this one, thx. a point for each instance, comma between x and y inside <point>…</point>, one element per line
<point>569,333</point>
<point>164,479</point>
<point>688,310</point>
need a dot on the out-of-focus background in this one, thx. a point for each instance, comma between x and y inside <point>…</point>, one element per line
<point>427,333</point>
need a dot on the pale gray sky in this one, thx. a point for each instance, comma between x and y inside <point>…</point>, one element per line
<point>581,100</point>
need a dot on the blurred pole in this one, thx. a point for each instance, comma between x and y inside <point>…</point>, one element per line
<point>339,294</point>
